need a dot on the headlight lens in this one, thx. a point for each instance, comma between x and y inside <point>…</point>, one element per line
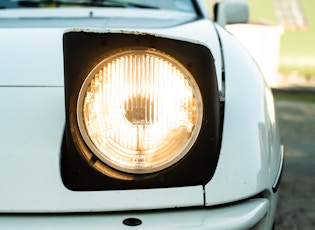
<point>139,110</point>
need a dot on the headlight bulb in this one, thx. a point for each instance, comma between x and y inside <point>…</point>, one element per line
<point>139,110</point>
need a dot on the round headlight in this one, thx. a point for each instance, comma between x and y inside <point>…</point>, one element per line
<point>139,110</point>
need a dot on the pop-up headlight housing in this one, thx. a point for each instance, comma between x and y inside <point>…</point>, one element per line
<point>142,111</point>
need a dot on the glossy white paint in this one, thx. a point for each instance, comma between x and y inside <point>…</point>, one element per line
<point>243,215</point>
<point>32,124</point>
<point>30,171</point>
<point>31,57</point>
<point>250,153</point>
<point>44,45</point>
<point>36,103</point>
<point>81,12</point>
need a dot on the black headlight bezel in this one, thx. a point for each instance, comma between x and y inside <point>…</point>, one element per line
<point>82,50</point>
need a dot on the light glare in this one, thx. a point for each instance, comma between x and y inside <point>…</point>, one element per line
<point>139,111</point>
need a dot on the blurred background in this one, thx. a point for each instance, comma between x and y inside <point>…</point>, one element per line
<point>281,38</point>
<point>283,31</point>
<point>297,42</point>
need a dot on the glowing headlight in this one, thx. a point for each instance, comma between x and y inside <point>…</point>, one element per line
<point>139,111</point>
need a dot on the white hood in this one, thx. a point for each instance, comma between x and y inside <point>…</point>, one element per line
<point>33,115</point>
<point>40,37</point>
<point>32,126</point>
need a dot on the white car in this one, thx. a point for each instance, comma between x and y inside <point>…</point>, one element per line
<point>133,114</point>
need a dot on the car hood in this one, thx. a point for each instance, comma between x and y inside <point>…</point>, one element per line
<point>40,37</point>
<point>33,113</point>
<point>32,94</point>
<point>93,18</point>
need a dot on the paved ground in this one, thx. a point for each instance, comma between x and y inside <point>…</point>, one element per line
<point>296,207</point>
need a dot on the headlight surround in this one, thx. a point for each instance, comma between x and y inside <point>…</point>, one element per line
<point>139,110</point>
<point>83,170</point>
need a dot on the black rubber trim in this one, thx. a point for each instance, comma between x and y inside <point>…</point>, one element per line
<point>276,184</point>
<point>82,50</point>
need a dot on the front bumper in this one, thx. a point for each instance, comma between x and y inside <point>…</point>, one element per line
<point>248,214</point>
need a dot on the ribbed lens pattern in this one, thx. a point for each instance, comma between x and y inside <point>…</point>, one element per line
<point>139,111</point>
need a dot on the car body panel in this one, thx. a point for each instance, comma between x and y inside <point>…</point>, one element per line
<point>241,193</point>
<point>249,108</point>
<point>45,44</point>
<point>30,171</point>
<point>37,85</point>
<point>242,215</point>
